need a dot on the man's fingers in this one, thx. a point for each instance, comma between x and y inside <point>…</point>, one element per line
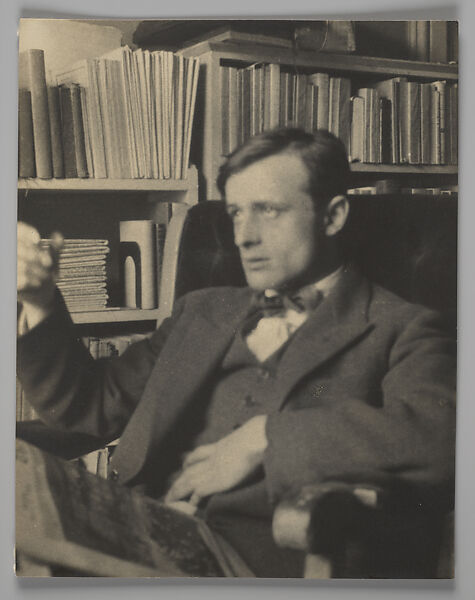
<point>57,240</point>
<point>182,488</point>
<point>196,478</point>
<point>200,453</point>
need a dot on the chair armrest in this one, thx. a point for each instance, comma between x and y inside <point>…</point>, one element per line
<point>363,531</point>
<point>322,517</point>
<point>60,443</point>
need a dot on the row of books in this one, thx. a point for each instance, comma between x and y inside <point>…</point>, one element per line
<point>82,277</point>
<point>394,121</point>
<point>374,190</point>
<point>125,115</point>
<point>104,347</point>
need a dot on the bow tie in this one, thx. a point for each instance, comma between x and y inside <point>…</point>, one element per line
<point>304,300</point>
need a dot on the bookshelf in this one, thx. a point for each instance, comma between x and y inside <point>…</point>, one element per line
<point>94,207</point>
<point>362,70</point>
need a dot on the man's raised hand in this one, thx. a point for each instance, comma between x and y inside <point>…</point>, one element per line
<point>36,273</point>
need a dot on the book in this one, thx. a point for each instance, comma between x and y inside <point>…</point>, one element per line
<point>272,96</point>
<point>67,127</point>
<point>311,108</point>
<point>233,109</point>
<point>139,263</point>
<point>452,42</point>
<point>193,69</point>
<point>322,82</point>
<point>371,146</point>
<point>389,89</point>
<point>339,109</point>
<point>357,137</point>
<point>85,75</point>
<point>435,126</point>
<point>225,105</point>
<point>453,121</point>
<point>422,41</point>
<point>412,40</point>
<point>440,87</point>
<point>438,41</point>
<point>54,111</point>
<point>385,137</point>
<point>26,151</point>
<point>72,520</point>
<point>78,132</point>
<point>246,104</point>
<point>284,99</point>
<point>410,122</point>
<point>300,95</point>
<point>426,125</point>
<point>31,77</point>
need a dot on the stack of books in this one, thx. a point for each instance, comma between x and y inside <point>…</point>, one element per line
<point>125,115</point>
<point>82,273</point>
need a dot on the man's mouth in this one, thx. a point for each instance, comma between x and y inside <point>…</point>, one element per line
<point>255,263</point>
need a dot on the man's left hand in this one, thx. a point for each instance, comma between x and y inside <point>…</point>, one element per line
<point>218,467</point>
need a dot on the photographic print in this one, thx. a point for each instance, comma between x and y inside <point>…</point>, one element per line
<point>237,298</point>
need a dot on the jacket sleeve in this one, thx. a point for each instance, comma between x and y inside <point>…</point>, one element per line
<point>405,445</point>
<point>72,391</point>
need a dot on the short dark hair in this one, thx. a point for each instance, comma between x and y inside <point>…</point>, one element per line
<point>323,154</point>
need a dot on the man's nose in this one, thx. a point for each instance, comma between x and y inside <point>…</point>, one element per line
<point>247,231</point>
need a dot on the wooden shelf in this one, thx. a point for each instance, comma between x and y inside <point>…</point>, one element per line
<point>335,62</point>
<point>120,315</point>
<point>405,169</point>
<point>104,185</point>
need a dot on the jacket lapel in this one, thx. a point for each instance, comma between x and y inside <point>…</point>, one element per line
<point>191,355</point>
<point>340,320</point>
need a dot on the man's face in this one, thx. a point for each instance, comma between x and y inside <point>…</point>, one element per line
<point>276,227</point>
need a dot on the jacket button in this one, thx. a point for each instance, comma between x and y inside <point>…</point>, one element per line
<point>264,373</point>
<point>249,400</point>
<point>114,475</point>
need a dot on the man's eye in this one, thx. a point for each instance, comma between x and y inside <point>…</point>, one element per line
<point>233,213</point>
<point>270,211</point>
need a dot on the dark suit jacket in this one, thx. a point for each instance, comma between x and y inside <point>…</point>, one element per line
<point>368,394</point>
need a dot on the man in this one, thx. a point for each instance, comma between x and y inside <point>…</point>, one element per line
<point>311,374</point>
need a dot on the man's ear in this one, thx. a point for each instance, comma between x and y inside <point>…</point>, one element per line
<point>336,215</point>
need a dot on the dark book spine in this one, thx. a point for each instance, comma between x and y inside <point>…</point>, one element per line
<point>224,80</point>
<point>386,151</point>
<point>246,104</point>
<point>26,151</point>
<point>344,118</point>
<point>55,129</point>
<point>426,126</point>
<point>78,129</point>
<point>415,123</point>
<point>69,147</point>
